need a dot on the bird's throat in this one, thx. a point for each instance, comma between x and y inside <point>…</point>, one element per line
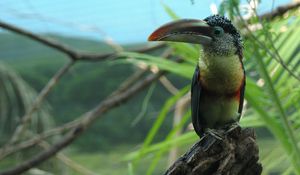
<point>221,74</point>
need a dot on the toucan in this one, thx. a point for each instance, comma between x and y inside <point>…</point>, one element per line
<point>218,83</point>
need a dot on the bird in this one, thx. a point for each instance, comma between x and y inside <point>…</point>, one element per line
<point>218,83</point>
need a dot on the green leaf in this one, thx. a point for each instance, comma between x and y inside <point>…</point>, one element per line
<point>160,118</point>
<point>178,141</point>
<point>290,141</point>
<point>182,69</point>
<point>170,12</point>
<point>170,137</point>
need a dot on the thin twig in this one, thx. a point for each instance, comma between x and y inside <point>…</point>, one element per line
<point>164,80</point>
<point>5,151</point>
<point>109,56</point>
<point>168,85</point>
<point>38,101</point>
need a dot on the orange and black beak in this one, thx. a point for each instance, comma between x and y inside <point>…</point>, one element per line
<point>185,30</point>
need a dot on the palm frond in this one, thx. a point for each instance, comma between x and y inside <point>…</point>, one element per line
<point>16,97</point>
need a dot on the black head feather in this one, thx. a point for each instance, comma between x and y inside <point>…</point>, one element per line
<point>225,23</point>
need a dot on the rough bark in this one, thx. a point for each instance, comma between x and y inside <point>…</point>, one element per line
<point>235,154</point>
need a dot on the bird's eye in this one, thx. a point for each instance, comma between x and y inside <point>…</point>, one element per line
<point>218,31</point>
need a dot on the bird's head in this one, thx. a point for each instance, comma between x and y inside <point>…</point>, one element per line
<point>215,33</point>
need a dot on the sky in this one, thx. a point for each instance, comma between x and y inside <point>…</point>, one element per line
<point>123,21</point>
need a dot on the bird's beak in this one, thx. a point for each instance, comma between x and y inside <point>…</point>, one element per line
<point>185,30</point>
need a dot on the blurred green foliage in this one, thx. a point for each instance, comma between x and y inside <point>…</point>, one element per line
<point>84,87</point>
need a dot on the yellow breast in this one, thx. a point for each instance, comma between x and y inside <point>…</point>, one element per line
<point>221,74</point>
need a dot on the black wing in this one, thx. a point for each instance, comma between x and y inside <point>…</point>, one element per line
<point>242,92</point>
<point>195,101</point>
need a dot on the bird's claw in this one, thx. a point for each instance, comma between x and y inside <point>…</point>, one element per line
<point>232,127</point>
<point>207,141</point>
<point>214,133</point>
<point>217,134</point>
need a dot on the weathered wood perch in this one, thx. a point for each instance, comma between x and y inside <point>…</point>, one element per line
<point>235,154</point>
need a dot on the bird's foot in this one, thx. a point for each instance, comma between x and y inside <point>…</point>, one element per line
<point>210,137</point>
<point>215,133</point>
<point>232,127</point>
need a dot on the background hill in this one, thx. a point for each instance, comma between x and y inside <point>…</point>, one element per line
<point>70,98</point>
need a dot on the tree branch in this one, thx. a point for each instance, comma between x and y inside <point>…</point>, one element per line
<point>10,149</point>
<point>88,118</point>
<point>50,43</point>
<point>22,167</point>
<point>279,11</point>
<point>73,54</point>
<point>235,154</point>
